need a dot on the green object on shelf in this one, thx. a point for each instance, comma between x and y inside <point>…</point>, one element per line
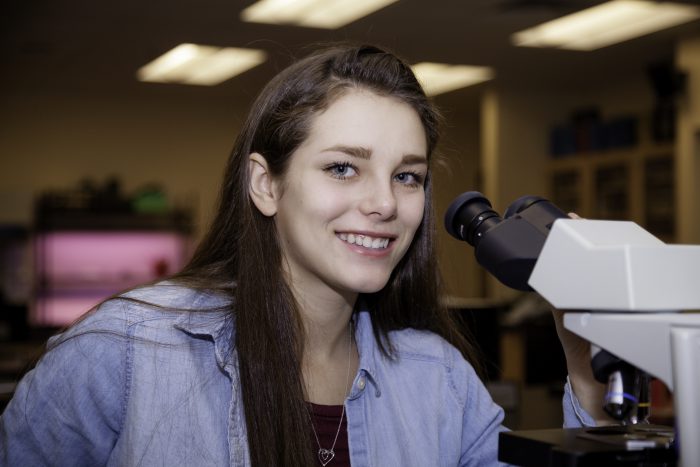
<point>150,202</point>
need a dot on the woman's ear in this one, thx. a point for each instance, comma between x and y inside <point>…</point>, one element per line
<point>261,188</point>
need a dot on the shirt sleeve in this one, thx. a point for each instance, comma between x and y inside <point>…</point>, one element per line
<point>68,409</point>
<point>574,415</point>
<point>482,423</point>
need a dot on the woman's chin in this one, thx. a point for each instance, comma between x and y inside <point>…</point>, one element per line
<point>369,286</point>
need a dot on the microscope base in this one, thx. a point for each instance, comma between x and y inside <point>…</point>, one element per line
<point>642,445</point>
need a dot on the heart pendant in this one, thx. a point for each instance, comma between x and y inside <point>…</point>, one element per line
<point>325,456</point>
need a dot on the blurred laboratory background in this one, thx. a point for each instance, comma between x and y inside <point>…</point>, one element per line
<point>116,119</point>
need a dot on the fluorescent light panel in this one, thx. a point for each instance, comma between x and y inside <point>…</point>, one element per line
<point>606,24</point>
<point>326,14</point>
<point>200,64</point>
<point>439,78</point>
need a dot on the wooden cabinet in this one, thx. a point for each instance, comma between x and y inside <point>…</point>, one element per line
<point>635,183</point>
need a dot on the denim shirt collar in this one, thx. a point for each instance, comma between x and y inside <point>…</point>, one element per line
<point>217,325</point>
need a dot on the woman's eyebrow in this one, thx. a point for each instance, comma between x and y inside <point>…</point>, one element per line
<point>412,159</point>
<point>354,151</point>
<point>365,153</point>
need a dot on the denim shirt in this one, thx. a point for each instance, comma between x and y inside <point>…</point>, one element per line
<point>137,385</point>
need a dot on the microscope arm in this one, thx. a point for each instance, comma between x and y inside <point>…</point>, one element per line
<point>633,285</point>
<point>664,345</point>
<point>643,340</point>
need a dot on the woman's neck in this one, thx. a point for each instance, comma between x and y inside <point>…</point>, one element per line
<point>326,324</point>
<point>330,358</point>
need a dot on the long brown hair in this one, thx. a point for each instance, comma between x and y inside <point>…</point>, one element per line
<point>241,255</point>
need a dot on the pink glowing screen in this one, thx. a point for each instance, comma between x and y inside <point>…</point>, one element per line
<point>76,270</point>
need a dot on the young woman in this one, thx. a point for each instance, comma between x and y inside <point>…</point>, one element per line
<point>307,328</point>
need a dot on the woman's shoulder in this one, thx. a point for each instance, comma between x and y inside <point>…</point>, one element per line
<point>422,357</point>
<point>425,345</point>
<point>172,296</point>
<point>419,344</point>
<point>164,306</point>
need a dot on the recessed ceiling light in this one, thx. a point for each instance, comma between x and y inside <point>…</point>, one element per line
<point>326,14</point>
<point>439,78</point>
<point>606,24</point>
<point>200,64</point>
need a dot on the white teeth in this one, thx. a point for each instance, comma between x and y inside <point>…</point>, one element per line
<point>364,240</point>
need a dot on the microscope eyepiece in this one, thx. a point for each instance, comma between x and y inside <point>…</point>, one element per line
<point>469,216</point>
<point>507,247</point>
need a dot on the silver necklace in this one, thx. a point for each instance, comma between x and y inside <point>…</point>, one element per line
<point>327,455</point>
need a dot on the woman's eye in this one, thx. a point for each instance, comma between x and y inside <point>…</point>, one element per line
<point>341,170</point>
<point>409,178</point>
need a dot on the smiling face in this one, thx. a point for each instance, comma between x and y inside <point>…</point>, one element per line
<point>352,197</point>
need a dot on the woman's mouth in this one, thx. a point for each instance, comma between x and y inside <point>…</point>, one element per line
<point>367,241</point>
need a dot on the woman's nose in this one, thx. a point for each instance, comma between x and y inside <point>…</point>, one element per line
<point>379,200</point>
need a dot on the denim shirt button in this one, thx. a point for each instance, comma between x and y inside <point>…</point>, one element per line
<point>361,384</point>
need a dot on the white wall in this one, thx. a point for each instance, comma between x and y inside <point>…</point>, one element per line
<point>457,171</point>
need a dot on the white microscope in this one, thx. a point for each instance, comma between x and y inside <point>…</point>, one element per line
<point>632,296</point>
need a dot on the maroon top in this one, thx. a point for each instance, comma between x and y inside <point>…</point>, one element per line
<point>326,419</point>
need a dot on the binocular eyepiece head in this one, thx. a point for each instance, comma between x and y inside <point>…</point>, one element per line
<point>507,247</point>
<point>471,215</point>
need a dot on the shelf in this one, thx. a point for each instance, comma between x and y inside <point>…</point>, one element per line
<point>645,151</point>
<point>66,220</point>
<point>634,184</point>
